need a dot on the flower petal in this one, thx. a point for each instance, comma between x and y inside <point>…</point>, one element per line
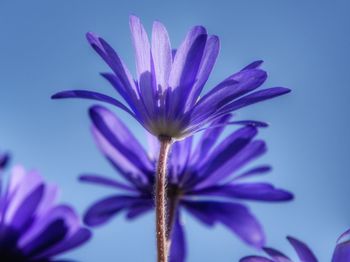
<point>342,250</point>
<point>253,98</point>
<point>93,96</point>
<point>105,209</point>
<point>22,184</point>
<point>253,65</point>
<point>185,67</point>
<point>225,92</point>
<point>228,156</point>
<point>234,161</point>
<point>260,170</point>
<point>248,191</point>
<point>80,237</point>
<point>112,59</point>
<point>105,181</point>
<point>117,142</point>
<point>161,53</point>
<point>234,216</point>
<point>143,63</point>
<point>141,46</point>
<point>178,250</point>
<point>210,54</point>
<point>255,259</point>
<point>25,211</point>
<point>209,138</point>
<point>276,255</point>
<point>139,208</point>
<point>62,213</point>
<point>179,157</point>
<point>303,251</point>
<point>50,236</point>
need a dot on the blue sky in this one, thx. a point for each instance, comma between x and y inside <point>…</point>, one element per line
<point>305,45</point>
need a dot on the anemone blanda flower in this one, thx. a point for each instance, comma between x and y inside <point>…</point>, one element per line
<point>341,252</point>
<point>165,97</point>
<point>203,180</point>
<point>32,227</point>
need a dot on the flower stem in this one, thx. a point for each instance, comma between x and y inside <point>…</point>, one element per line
<point>161,197</point>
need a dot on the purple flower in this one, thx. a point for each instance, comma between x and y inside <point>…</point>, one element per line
<point>305,254</point>
<point>165,97</point>
<point>203,180</point>
<point>32,226</point>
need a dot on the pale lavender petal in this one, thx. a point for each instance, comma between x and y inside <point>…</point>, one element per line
<point>143,63</point>
<point>303,251</point>
<point>29,181</point>
<point>141,46</point>
<point>161,53</point>
<point>153,146</point>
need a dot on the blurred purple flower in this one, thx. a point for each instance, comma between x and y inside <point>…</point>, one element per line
<point>305,254</point>
<point>32,226</point>
<point>203,180</point>
<point>165,97</point>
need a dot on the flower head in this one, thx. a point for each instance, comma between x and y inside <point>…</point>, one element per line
<point>305,254</point>
<point>202,179</point>
<point>32,226</point>
<point>165,97</point>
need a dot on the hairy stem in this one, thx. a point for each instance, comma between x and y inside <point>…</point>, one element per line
<point>161,197</point>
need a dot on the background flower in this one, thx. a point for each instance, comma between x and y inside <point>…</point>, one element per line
<point>305,254</point>
<point>203,180</point>
<point>32,226</point>
<point>165,96</point>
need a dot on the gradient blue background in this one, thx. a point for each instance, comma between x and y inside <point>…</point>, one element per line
<point>306,47</point>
